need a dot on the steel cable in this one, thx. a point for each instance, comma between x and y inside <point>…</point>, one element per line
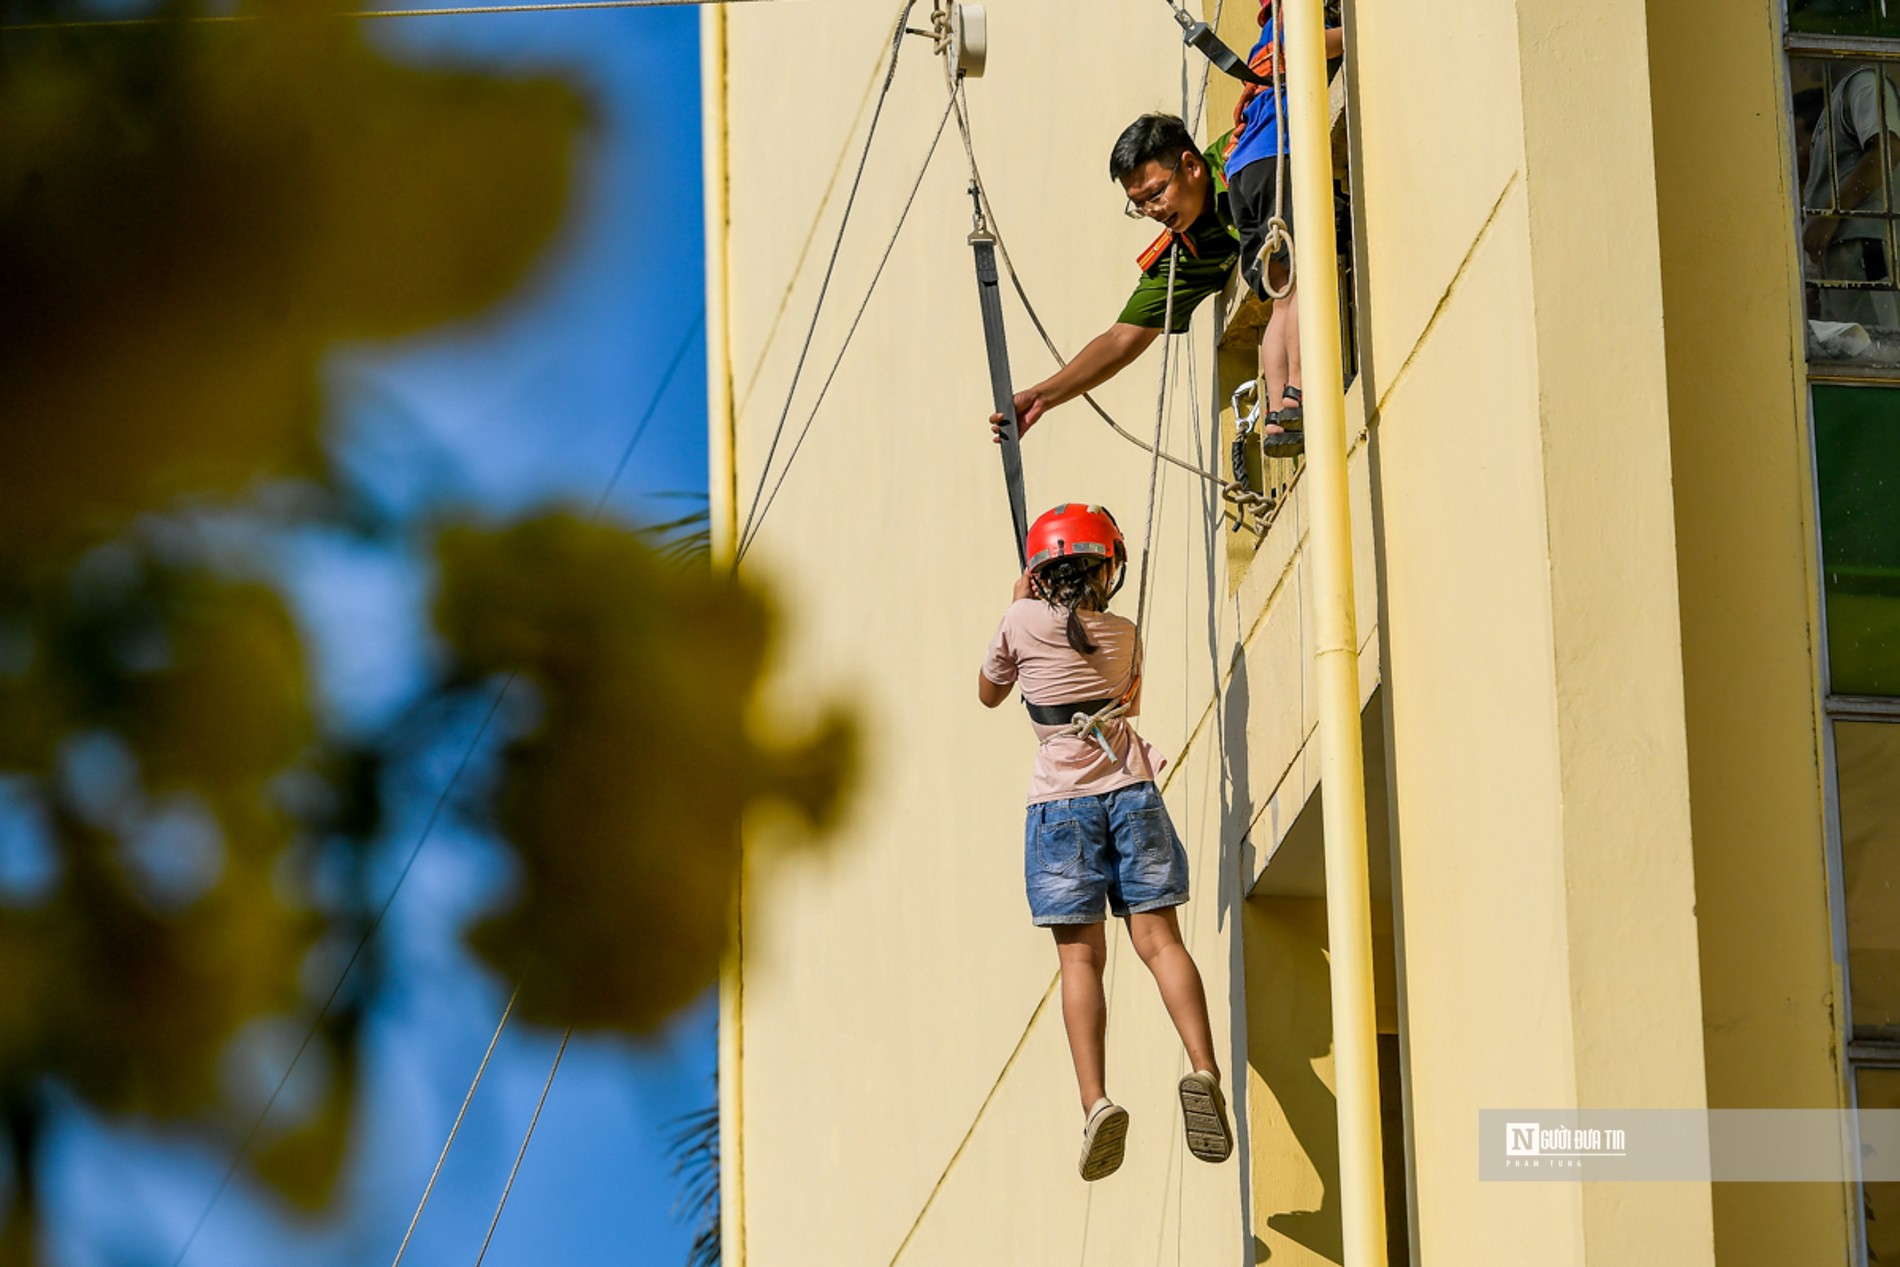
<point>824,287</point>
<point>758,521</point>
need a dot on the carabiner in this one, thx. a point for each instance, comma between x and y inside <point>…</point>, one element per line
<point>1248,417</point>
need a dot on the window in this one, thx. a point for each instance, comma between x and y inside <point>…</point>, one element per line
<point>1844,83</point>
<point>1866,761</point>
<point>1846,116</point>
<point>1844,17</point>
<point>1879,1088</point>
<point>1857,461</point>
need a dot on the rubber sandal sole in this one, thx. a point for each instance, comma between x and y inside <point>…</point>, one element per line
<point>1103,1142</point>
<point>1204,1115</point>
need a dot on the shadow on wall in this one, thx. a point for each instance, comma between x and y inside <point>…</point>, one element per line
<point>1293,1115</point>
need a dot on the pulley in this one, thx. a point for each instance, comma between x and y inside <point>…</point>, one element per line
<point>969,45</point>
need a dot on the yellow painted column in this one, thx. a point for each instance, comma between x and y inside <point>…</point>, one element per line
<point>1336,640</point>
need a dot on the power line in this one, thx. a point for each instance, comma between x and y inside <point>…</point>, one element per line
<point>362,942</point>
<point>525,1140</point>
<point>237,19</point>
<point>456,1129</point>
<point>696,326</point>
<point>415,850</point>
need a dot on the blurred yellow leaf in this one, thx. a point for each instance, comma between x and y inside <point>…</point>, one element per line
<point>624,799</point>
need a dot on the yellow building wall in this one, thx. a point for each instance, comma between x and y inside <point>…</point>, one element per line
<point>1589,912</point>
<point>1534,620</point>
<point>895,1053</point>
<point>1744,536</point>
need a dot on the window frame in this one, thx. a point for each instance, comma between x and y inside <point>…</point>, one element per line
<point>1857,1054</point>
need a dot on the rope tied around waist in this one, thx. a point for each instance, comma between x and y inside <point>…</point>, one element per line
<point>1092,726</point>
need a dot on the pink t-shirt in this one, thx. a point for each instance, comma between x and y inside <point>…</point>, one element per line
<point>1031,649</point>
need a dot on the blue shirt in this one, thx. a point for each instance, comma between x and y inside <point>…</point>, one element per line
<point>1257,122</point>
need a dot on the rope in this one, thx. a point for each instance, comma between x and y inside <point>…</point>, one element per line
<point>943,1176</point>
<point>525,1140</point>
<point>415,851</point>
<point>744,396</point>
<point>456,1128</point>
<point>824,287</point>
<point>1239,497</point>
<point>1207,73</point>
<point>757,522</point>
<point>1279,234</point>
<point>228,19</point>
<point>1154,467</point>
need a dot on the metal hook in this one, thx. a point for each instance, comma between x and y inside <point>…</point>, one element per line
<point>1248,417</point>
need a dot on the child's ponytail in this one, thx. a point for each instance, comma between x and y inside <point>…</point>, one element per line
<point>1078,636</point>
<point>1077,584</point>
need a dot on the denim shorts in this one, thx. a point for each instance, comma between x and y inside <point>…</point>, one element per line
<point>1117,846</point>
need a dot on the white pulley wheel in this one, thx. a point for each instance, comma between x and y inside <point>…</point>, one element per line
<point>969,39</point>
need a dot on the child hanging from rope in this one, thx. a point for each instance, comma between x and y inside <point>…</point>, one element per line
<point>1098,832</point>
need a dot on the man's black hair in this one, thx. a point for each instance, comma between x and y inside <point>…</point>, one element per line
<point>1153,137</point>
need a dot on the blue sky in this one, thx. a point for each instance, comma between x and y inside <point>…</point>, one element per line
<point>532,402</point>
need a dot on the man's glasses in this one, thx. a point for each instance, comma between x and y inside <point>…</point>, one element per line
<point>1136,208</point>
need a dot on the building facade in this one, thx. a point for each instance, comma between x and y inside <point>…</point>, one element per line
<point>1626,495</point>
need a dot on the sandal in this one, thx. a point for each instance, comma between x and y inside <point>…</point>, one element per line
<point>1204,1114</point>
<point>1103,1139</point>
<point>1283,444</point>
<point>1294,415</point>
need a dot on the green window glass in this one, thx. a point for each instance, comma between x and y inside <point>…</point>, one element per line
<point>1843,17</point>
<point>1867,765</point>
<point>1880,1202</point>
<point>1857,456</point>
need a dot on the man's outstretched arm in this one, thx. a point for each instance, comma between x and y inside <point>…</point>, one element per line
<point>1107,354</point>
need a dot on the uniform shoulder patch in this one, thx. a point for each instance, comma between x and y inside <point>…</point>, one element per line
<point>1155,251</point>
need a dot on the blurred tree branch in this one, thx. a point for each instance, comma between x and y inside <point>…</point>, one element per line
<point>191,218</point>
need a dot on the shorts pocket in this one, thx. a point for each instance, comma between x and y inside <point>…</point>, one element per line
<point>1154,842</point>
<point>1058,843</point>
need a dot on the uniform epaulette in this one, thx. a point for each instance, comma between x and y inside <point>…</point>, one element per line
<point>1155,250</point>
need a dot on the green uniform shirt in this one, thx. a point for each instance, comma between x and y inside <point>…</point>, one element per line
<point>1208,251</point>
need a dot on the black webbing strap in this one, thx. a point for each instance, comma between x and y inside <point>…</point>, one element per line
<point>1202,37</point>
<point>1063,714</point>
<point>987,291</point>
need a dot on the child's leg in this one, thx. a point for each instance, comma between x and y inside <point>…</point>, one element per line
<point>1273,349</point>
<point>1157,938</point>
<point>1287,312</point>
<point>1280,346</point>
<point>1083,950</point>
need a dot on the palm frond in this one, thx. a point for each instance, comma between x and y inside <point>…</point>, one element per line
<point>695,1150</point>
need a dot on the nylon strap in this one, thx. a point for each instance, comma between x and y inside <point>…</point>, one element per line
<point>1063,714</point>
<point>1202,37</point>
<point>1001,393</point>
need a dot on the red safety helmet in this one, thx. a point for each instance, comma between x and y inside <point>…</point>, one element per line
<point>1075,529</point>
